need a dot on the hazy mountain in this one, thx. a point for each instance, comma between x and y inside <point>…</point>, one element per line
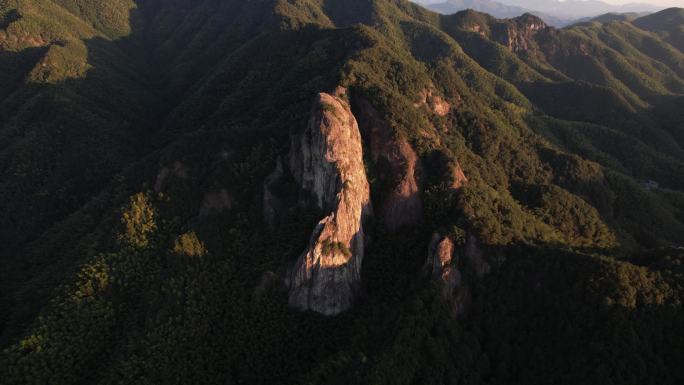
<point>669,24</point>
<point>579,8</point>
<point>493,8</point>
<point>329,191</point>
<point>611,17</point>
<point>558,13</point>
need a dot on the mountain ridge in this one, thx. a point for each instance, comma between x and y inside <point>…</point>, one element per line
<point>558,14</point>
<point>165,269</point>
<point>493,8</point>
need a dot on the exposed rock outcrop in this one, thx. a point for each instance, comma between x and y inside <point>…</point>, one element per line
<point>398,169</point>
<point>215,202</point>
<point>458,177</point>
<point>456,275</point>
<point>477,29</point>
<point>268,281</point>
<point>475,257</point>
<point>518,33</point>
<point>177,169</point>
<point>272,203</point>
<point>435,103</point>
<point>443,267</point>
<point>12,35</point>
<point>440,254</point>
<point>326,161</point>
<point>22,40</point>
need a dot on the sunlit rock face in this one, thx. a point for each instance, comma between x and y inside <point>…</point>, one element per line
<point>326,161</point>
<point>440,254</point>
<point>458,177</point>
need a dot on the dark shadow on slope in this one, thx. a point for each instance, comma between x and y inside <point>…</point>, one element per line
<point>584,102</point>
<point>347,13</point>
<point>9,18</point>
<point>571,311</point>
<point>671,115</point>
<point>578,101</point>
<point>14,68</point>
<point>61,144</point>
<point>105,134</point>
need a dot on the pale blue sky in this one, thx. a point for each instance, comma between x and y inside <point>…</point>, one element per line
<point>673,3</point>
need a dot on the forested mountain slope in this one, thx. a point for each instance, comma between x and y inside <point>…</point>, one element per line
<point>667,24</point>
<point>474,200</point>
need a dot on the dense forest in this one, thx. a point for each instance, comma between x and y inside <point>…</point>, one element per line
<point>138,143</point>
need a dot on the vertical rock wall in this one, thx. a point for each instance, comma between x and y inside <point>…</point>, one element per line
<point>326,161</point>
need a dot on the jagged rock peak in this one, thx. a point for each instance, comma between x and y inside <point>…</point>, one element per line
<point>435,103</point>
<point>531,22</point>
<point>456,261</point>
<point>177,169</point>
<point>326,161</point>
<point>443,268</point>
<point>440,254</point>
<point>518,35</point>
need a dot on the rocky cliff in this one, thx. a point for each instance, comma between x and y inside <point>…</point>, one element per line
<point>326,161</point>
<point>456,261</point>
<point>398,168</point>
<point>458,177</point>
<point>443,268</point>
<point>517,33</point>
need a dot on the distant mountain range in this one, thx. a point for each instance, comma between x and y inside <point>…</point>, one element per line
<point>579,8</point>
<point>557,13</point>
<point>612,16</point>
<point>493,8</point>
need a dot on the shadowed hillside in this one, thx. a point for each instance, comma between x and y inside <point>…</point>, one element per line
<point>667,24</point>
